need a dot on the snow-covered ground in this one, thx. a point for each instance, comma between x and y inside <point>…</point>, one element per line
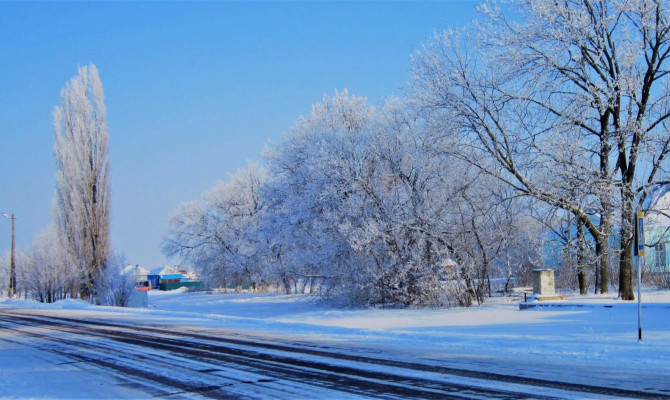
<point>598,334</point>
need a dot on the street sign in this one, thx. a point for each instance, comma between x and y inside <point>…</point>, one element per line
<point>639,234</point>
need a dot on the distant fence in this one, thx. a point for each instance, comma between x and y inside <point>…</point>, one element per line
<point>193,285</point>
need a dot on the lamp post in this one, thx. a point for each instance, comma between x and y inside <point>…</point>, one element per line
<point>12,274</point>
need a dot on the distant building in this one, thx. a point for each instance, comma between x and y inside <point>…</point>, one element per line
<point>164,275</point>
<point>140,274</point>
<point>657,229</point>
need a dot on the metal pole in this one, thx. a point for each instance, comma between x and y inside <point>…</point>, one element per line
<point>640,265</point>
<point>640,253</point>
<point>12,273</point>
<point>12,264</point>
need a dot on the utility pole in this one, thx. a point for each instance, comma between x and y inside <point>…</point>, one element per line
<point>12,270</point>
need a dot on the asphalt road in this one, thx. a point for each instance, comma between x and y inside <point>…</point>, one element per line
<point>181,362</point>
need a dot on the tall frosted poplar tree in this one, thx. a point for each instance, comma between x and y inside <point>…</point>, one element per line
<point>81,205</point>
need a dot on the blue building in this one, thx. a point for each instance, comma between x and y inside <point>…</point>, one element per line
<point>163,275</point>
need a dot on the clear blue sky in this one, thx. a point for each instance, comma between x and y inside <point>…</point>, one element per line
<point>193,91</point>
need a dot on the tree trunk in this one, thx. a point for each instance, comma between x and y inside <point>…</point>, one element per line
<point>581,259</point>
<point>626,256</point>
<point>465,299</point>
<point>509,276</point>
<point>602,246</point>
<point>287,285</point>
<point>603,264</point>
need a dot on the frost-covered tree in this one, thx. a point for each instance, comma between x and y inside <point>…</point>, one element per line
<point>116,288</point>
<point>572,87</point>
<point>406,193</point>
<point>45,272</point>
<point>218,234</point>
<point>372,206</point>
<point>81,205</point>
<point>4,272</point>
<point>313,170</point>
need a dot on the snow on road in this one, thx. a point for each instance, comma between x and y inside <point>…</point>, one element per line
<point>591,344</point>
<point>29,373</point>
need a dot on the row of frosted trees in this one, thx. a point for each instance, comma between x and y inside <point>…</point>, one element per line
<point>543,111</point>
<point>366,207</point>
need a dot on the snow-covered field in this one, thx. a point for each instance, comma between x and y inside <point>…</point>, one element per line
<point>598,334</point>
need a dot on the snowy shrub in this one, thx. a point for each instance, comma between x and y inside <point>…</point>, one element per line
<point>659,280</point>
<point>114,288</point>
